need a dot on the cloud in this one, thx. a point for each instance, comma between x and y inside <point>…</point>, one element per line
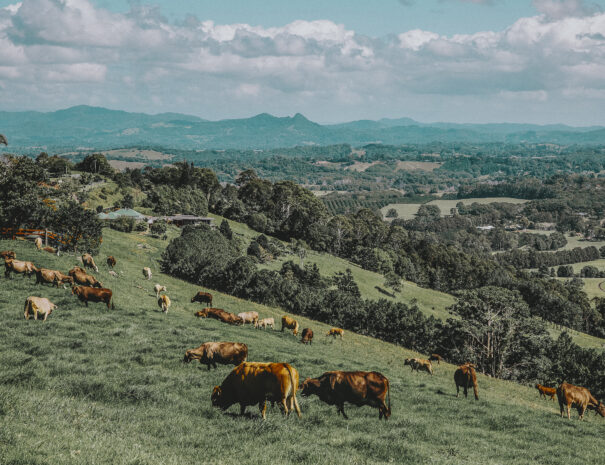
<point>558,9</point>
<point>55,53</point>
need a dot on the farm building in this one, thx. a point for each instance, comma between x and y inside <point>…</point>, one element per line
<point>122,213</point>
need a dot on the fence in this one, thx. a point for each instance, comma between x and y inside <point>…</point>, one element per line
<point>14,233</point>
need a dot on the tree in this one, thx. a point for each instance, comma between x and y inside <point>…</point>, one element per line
<point>80,229</point>
<point>225,230</point>
<point>393,280</point>
<point>565,271</point>
<point>128,201</point>
<point>392,213</point>
<point>96,164</point>
<point>158,228</point>
<point>346,283</point>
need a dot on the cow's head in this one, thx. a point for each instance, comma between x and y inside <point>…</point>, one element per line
<point>600,409</point>
<point>309,387</point>
<point>201,314</point>
<point>219,398</point>
<point>188,357</point>
<point>75,290</point>
<point>407,361</point>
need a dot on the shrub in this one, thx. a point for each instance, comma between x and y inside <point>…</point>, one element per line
<point>141,226</point>
<point>123,224</point>
<point>158,228</point>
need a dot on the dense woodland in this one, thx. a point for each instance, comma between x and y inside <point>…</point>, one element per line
<point>498,299</point>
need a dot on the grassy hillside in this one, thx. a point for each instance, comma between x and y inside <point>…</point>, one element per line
<point>98,386</point>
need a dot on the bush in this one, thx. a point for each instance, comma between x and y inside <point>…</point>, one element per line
<point>123,224</point>
<point>392,213</point>
<point>257,221</point>
<point>141,226</point>
<point>158,228</point>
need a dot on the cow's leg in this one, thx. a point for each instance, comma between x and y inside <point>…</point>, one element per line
<point>581,410</point>
<point>284,404</point>
<point>208,365</point>
<point>296,406</point>
<point>457,390</point>
<point>465,391</point>
<point>561,408</point>
<point>242,409</point>
<point>568,411</point>
<point>342,410</point>
<point>26,314</point>
<point>262,406</point>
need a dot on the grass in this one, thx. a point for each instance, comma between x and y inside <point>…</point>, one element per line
<point>98,386</point>
<point>408,211</point>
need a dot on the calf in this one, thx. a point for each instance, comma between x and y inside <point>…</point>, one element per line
<point>221,315</point>
<point>290,323</point>
<point>568,395</point>
<point>147,273</point>
<point>356,387</point>
<point>546,391</point>
<point>264,323</point>
<point>158,288</point>
<point>203,298</point>
<point>419,364</point>
<point>435,358</point>
<point>224,353</point>
<point>81,277</point>
<point>336,332</point>
<point>89,294</point>
<point>111,261</point>
<point>37,305</point>
<point>307,336</point>
<point>89,262</point>
<point>55,277</point>
<point>164,303</point>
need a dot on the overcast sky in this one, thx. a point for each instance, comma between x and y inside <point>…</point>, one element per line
<point>538,61</point>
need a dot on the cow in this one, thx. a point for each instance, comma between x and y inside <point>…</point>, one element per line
<point>307,336</point>
<point>51,250</point>
<point>158,288</point>
<point>81,277</point>
<point>147,273</point>
<point>264,323</point>
<point>224,353</point>
<point>37,305</point>
<point>546,391</point>
<point>55,277</point>
<point>17,266</point>
<point>568,394</point>
<point>164,303</point>
<point>435,358</point>
<point>203,298</point>
<point>336,332</point>
<point>113,273</point>
<point>290,323</point>
<point>89,294</point>
<point>464,376</point>
<point>355,387</point>
<point>219,314</point>
<point>249,317</point>
<point>38,242</point>
<point>111,261</point>
<point>89,262</point>
<point>7,254</point>
<point>419,364</point>
<point>253,383</point>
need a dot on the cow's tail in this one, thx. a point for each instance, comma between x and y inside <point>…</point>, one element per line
<point>113,307</point>
<point>389,396</point>
<point>294,387</point>
<point>474,379</point>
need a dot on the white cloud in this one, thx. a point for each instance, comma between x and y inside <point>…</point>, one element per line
<point>140,60</point>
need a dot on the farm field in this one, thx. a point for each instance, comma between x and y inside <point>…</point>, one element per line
<point>92,385</point>
<point>408,211</point>
<point>600,264</point>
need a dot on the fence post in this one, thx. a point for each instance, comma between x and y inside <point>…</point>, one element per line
<point>46,237</point>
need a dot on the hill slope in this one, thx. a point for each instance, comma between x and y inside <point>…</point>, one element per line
<point>98,386</point>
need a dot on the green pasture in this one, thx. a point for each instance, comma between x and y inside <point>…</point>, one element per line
<point>98,386</point>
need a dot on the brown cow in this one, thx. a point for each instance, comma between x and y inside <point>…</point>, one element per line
<point>202,297</point>
<point>81,277</point>
<point>55,277</point>
<point>17,266</point>
<point>356,387</point>
<point>89,262</point>
<point>464,376</point>
<point>7,254</point>
<point>290,323</point>
<point>111,261</point>
<point>89,294</point>
<point>221,315</point>
<point>37,305</point>
<point>225,353</point>
<point>307,336</point>
<point>568,394</point>
<point>546,391</point>
<point>435,358</point>
<point>256,383</point>
<point>51,250</point>
<point>164,303</point>
<point>419,364</point>
<point>336,332</point>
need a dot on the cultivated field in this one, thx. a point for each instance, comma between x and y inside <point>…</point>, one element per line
<point>417,165</point>
<point>408,211</point>
<point>92,385</point>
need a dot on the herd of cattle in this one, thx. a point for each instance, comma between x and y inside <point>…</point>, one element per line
<point>252,383</point>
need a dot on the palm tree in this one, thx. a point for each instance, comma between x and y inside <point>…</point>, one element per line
<point>3,140</point>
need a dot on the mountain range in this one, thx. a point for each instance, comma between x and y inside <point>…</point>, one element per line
<point>101,128</point>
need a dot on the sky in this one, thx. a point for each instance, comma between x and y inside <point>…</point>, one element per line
<point>479,61</point>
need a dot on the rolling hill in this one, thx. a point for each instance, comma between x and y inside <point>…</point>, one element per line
<point>101,128</point>
<point>98,386</point>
